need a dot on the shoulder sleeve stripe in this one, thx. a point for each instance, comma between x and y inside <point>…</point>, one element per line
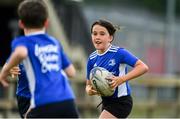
<point>114,47</point>
<point>111,50</point>
<point>92,57</point>
<point>92,54</point>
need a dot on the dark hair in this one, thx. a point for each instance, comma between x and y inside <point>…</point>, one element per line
<point>33,13</point>
<point>110,28</point>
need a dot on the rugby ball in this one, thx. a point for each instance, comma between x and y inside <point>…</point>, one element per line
<point>99,82</point>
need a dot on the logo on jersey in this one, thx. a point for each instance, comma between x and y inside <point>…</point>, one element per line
<point>48,57</point>
<point>111,62</point>
<point>95,65</point>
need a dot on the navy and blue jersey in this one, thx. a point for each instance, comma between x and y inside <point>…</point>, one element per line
<point>115,60</point>
<point>22,84</point>
<point>44,69</point>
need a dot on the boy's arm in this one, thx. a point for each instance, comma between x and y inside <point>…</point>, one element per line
<point>14,72</point>
<point>70,71</point>
<point>17,56</point>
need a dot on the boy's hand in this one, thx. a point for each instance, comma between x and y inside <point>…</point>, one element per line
<point>14,72</point>
<point>5,83</point>
<point>3,79</point>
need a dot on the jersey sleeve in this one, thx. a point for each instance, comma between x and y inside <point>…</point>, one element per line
<point>15,43</point>
<point>20,41</point>
<point>88,68</point>
<point>65,60</point>
<point>128,57</point>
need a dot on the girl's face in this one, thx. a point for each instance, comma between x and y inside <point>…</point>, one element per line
<point>101,38</point>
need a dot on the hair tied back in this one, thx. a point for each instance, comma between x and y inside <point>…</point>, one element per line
<point>118,27</point>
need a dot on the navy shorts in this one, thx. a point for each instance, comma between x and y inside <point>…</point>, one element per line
<point>118,107</point>
<point>65,109</point>
<point>23,105</point>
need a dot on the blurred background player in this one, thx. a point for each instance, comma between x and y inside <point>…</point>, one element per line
<point>43,60</point>
<point>23,93</point>
<point>114,59</point>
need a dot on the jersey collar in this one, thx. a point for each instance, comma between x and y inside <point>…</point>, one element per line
<point>105,51</point>
<point>36,33</point>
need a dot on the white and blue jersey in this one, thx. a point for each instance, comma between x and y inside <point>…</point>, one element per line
<point>115,60</point>
<point>44,69</point>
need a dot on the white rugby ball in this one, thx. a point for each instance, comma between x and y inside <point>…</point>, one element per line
<point>99,82</point>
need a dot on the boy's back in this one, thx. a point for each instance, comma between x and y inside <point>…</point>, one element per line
<point>43,67</point>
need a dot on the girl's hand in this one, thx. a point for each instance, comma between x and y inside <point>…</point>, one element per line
<point>91,91</point>
<point>115,81</point>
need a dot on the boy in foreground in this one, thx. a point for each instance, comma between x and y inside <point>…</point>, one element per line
<point>44,61</point>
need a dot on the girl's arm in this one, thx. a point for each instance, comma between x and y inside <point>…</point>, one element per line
<point>139,69</point>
